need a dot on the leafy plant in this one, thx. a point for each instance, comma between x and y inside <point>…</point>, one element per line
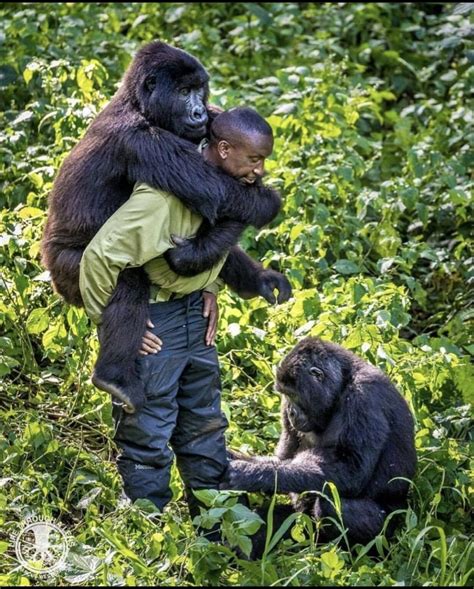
<point>373,154</point>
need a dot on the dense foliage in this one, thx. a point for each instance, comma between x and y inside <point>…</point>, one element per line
<point>370,104</point>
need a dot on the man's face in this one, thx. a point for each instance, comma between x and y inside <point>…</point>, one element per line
<point>245,159</point>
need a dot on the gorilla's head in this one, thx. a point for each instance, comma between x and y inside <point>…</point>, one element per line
<point>170,88</point>
<point>311,378</point>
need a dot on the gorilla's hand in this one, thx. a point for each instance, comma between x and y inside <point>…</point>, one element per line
<point>185,259</point>
<point>250,473</point>
<point>238,476</point>
<point>267,281</point>
<point>236,455</point>
<point>194,255</point>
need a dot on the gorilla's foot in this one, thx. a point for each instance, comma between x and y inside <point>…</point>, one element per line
<point>131,394</point>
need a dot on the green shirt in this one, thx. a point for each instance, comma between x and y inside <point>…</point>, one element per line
<point>138,234</point>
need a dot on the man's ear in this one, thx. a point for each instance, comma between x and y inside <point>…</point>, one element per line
<point>223,148</point>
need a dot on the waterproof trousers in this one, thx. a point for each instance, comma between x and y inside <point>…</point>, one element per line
<point>182,414</point>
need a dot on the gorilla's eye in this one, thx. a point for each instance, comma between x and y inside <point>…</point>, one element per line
<point>150,82</point>
<point>184,91</point>
<point>317,372</point>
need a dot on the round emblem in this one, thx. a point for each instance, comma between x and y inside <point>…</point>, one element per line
<point>42,547</point>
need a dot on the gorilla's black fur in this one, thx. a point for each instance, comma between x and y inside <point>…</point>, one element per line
<point>142,136</point>
<point>342,421</point>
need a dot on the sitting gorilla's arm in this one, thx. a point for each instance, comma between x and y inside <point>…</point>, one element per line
<point>289,442</point>
<point>349,462</point>
<point>236,455</point>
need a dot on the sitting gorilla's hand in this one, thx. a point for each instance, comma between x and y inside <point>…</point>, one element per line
<point>234,477</point>
<point>236,455</point>
<point>247,473</point>
<point>268,280</point>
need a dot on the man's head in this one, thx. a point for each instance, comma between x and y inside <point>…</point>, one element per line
<point>240,140</point>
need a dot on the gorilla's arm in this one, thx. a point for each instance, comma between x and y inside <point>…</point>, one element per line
<point>195,255</point>
<point>349,464</point>
<point>289,442</point>
<point>167,162</point>
<point>250,279</point>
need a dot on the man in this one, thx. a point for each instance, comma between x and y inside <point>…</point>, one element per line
<point>182,381</point>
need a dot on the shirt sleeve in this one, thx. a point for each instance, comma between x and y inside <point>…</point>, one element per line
<point>136,233</point>
<point>215,287</point>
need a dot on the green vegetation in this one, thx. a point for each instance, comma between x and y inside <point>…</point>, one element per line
<point>370,104</point>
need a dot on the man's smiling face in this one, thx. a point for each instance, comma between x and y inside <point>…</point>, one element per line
<point>245,159</point>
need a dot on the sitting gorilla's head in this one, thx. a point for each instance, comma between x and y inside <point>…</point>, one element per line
<point>311,378</point>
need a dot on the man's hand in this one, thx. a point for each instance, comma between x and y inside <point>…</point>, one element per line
<point>151,343</point>
<point>268,281</point>
<point>210,310</point>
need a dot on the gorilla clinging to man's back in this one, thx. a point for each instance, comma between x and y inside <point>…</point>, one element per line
<point>142,136</point>
<point>342,421</point>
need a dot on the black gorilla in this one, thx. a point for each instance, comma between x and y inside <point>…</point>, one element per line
<point>342,421</point>
<point>142,136</point>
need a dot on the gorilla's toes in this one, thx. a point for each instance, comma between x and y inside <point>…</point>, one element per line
<point>132,395</point>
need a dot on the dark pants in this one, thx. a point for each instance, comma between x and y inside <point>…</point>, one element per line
<point>182,411</point>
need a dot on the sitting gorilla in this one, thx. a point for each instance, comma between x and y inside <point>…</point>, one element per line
<point>343,421</point>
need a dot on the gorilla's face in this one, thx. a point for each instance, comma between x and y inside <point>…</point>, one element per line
<point>191,111</point>
<point>179,105</point>
<point>310,378</point>
<point>187,105</point>
<point>298,417</point>
<point>172,89</point>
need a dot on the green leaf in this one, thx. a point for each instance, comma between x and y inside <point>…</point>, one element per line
<point>346,267</point>
<point>206,496</point>
<point>38,320</point>
<point>259,12</point>
<point>120,545</point>
<point>245,544</point>
<point>52,337</point>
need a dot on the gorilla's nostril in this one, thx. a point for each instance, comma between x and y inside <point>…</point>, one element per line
<point>199,114</point>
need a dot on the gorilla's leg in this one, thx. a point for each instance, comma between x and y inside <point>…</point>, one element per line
<point>363,519</point>
<point>279,515</point>
<point>120,336</point>
<point>63,263</point>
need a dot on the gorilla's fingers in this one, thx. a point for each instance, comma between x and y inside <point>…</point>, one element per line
<point>236,455</point>
<point>240,476</point>
<point>267,293</point>
<point>182,258</point>
<point>271,280</point>
<point>177,240</point>
<point>284,289</point>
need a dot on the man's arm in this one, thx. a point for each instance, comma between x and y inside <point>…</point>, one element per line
<point>136,233</point>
